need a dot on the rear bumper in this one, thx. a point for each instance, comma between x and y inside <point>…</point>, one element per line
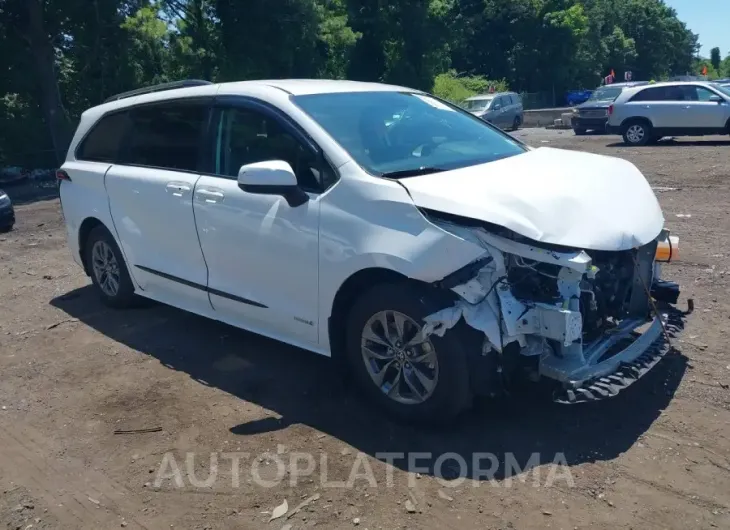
<point>583,122</point>
<point>613,129</point>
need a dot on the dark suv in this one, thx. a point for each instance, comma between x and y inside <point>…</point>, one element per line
<point>593,114</point>
<point>7,214</point>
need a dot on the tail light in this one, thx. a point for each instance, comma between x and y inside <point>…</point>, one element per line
<point>610,110</point>
<point>62,175</point>
<point>668,249</point>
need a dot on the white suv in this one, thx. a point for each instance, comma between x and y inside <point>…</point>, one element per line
<point>647,113</point>
<point>432,252</point>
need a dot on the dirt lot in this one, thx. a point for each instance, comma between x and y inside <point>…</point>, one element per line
<point>72,372</point>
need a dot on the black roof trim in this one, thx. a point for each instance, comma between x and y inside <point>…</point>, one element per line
<point>185,83</point>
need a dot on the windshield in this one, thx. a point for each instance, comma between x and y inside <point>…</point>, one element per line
<point>426,133</point>
<point>605,94</point>
<point>477,104</point>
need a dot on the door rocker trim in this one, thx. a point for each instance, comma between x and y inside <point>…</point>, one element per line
<point>194,285</point>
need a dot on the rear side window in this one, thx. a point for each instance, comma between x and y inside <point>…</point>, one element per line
<point>103,142</point>
<point>508,100</point>
<point>652,94</point>
<point>166,135</point>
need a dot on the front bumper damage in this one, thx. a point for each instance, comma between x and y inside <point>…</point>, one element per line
<point>553,333</point>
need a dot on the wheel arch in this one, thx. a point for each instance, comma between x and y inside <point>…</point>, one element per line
<point>87,226</point>
<point>347,294</point>
<point>632,119</point>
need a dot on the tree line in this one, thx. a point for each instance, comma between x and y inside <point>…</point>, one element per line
<point>59,57</point>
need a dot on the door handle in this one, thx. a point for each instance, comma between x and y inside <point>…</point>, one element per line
<point>178,189</point>
<point>210,196</point>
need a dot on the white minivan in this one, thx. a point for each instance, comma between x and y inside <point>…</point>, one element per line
<point>434,254</point>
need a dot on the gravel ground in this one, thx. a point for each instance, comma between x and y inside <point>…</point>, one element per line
<point>73,372</point>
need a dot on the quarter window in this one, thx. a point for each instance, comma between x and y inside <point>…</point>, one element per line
<point>166,136</point>
<point>103,142</point>
<point>245,136</point>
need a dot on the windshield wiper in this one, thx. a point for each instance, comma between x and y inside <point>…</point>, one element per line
<point>415,172</point>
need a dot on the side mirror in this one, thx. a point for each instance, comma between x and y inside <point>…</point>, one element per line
<point>716,99</point>
<point>496,106</point>
<point>272,177</point>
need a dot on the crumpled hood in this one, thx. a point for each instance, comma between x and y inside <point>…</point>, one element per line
<point>550,195</point>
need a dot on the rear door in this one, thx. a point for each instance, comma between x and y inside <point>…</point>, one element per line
<point>664,106</point>
<point>151,201</point>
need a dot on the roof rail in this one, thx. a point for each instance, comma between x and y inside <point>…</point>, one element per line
<point>185,83</point>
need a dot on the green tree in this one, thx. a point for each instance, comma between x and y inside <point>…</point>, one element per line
<point>715,58</point>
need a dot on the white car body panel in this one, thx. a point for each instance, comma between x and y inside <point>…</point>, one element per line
<point>256,248</point>
<point>551,196</point>
<point>87,199</point>
<point>259,249</point>
<point>153,217</point>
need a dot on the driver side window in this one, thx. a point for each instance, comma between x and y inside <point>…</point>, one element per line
<point>244,136</point>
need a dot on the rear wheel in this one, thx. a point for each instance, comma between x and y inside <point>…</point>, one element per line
<point>414,379</point>
<point>516,123</point>
<point>107,268</point>
<point>637,132</point>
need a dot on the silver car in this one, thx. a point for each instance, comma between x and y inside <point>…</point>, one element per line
<point>645,114</point>
<point>503,109</point>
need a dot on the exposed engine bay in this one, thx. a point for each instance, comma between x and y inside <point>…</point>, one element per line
<point>576,312</point>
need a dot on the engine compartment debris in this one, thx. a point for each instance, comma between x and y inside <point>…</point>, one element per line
<point>590,319</point>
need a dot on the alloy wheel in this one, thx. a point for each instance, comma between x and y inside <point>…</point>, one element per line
<point>106,268</point>
<point>401,363</point>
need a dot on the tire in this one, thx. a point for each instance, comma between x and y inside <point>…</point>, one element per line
<point>579,131</point>
<point>637,132</point>
<point>451,393</point>
<point>100,245</point>
<point>516,123</point>
<point>5,229</point>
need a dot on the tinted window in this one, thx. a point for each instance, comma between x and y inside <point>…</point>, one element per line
<point>166,135</point>
<point>246,136</point>
<point>102,143</point>
<point>652,94</point>
<point>428,133</point>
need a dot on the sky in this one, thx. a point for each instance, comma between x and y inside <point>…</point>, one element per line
<point>709,18</point>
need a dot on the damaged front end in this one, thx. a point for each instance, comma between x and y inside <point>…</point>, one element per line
<point>594,322</point>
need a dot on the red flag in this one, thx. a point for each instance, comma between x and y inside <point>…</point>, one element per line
<point>704,70</point>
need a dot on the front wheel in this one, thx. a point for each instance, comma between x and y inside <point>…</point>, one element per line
<point>414,379</point>
<point>637,133</point>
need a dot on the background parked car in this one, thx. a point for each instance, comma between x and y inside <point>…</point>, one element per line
<point>593,114</point>
<point>7,214</point>
<point>503,109</point>
<point>645,114</point>
<point>576,97</point>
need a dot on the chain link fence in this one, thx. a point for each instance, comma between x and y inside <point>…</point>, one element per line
<point>538,100</point>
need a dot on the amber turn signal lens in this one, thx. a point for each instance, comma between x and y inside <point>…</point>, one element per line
<point>668,250</point>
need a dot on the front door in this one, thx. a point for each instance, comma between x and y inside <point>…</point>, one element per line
<point>701,113</point>
<point>262,254</point>
<point>151,202</point>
